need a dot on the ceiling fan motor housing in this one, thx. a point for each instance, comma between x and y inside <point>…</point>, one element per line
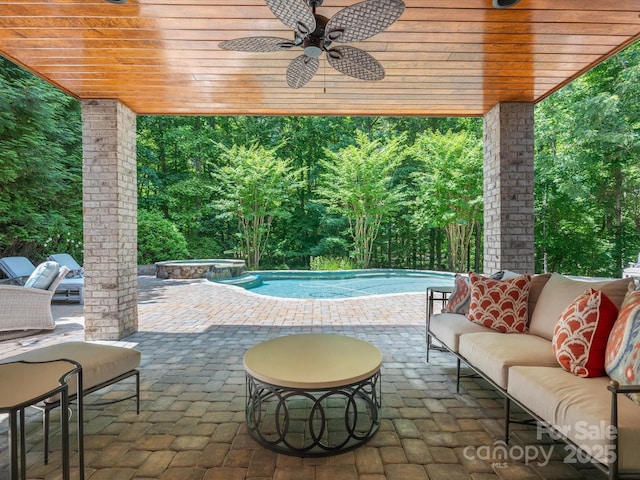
<point>314,44</point>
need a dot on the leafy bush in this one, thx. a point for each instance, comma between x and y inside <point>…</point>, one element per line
<point>331,246</point>
<point>62,238</point>
<point>205,247</point>
<point>158,239</point>
<point>331,263</point>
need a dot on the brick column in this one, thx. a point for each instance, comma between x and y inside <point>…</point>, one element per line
<point>110,220</point>
<point>508,188</point>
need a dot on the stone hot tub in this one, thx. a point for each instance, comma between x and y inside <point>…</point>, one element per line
<point>212,268</point>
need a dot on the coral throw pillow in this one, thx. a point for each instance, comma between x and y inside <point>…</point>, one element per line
<point>622,357</point>
<point>500,305</point>
<point>581,334</point>
<point>459,299</point>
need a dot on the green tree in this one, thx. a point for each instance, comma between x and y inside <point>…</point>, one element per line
<point>40,166</point>
<point>190,209</point>
<point>587,183</point>
<point>304,139</point>
<point>358,183</point>
<point>256,188</point>
<point>177,156</point>
<point>451,189</point>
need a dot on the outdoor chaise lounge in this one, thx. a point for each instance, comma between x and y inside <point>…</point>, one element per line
<point>75,269</point>
<point>633,270</point>
<point>18,269</point>
<point>25,310</point>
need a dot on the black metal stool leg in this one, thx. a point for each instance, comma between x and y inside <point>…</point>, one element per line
<point>507,418</point>
<point>137,392</point>
<point>64,413</point>
<point>80,406</point>
<point>23,447</point>
<point>45,420</point>
<point>13,434</point>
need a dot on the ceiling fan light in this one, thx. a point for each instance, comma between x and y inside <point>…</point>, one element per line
<point>504,3</point>
<point>312,47</point>
<point>312,51</point>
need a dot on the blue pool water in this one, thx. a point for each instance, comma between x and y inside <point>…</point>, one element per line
<point>340,284</point>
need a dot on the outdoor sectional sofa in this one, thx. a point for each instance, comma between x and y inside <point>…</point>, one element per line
<point>525,367</point>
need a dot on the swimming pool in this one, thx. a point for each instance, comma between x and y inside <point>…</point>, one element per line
<point>339,284</point>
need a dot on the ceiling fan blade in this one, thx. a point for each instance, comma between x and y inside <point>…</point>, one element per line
<point>355,62</point>
<point>301,70</point>
<point>295,14</point>
<point>257,44</point>
<point>363,20</point>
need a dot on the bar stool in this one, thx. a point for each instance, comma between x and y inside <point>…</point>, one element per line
<point>23,384</point>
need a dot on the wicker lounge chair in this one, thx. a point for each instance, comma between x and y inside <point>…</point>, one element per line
<point>24,310</point>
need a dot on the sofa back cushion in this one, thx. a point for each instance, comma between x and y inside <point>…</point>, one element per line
<point>537,284</point>
<point>560,291</point>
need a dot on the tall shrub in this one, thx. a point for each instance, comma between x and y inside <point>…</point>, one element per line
<point>158,239</point>
<point>450,189</point>
<point>358,183</point>
<point>255,188</point>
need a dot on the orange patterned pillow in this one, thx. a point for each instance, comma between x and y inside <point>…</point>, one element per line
<point>501,305</point>
<point>581,334</point>
<point>622,356</point>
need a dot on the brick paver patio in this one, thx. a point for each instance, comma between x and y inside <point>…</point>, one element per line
<point>193,335</point>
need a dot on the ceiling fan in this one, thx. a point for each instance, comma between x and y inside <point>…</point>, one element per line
<point>316,34</point>
<point>504,3</point>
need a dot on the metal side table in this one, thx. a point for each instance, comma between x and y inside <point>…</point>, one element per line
<point>435,294</point>
<point>23,384</point>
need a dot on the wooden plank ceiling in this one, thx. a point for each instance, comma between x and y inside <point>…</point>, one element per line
<point>441,57</point>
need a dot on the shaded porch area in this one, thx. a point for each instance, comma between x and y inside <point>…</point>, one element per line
<point>193,335</point>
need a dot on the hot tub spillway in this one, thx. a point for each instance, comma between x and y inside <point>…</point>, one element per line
<point>212,269</point>
<point>246,281</point>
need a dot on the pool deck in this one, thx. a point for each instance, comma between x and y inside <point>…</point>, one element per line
<point>193,335</point>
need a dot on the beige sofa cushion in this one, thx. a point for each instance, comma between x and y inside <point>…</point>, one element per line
<point>577,406</point>
<point>535,289</point>
<point>447,327</point>
<point>494,353</point>
<point>560,291</point>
